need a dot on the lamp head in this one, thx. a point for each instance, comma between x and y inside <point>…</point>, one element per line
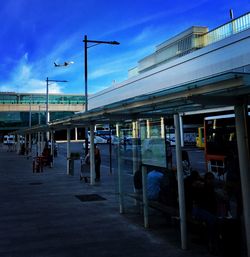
<point>115,43</point>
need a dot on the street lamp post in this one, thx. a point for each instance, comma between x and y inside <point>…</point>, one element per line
<point>94,43</point>
<point>47,96</point>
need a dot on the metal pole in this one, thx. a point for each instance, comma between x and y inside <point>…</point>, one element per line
<point>181,130</point>
<point>181,194</point>
<point>18,144</point>
<point>68,151</point>
<point>243,153</point>
<point>47,107</point>
<point>86,88</point>
<point>144,195</point>
<point>30,143</point>
<point>47,101</point>
<point>86,72</point>
<point>76,137</point>
<point>52,149</point>
<point>39,116</point>
<point>110,151</point>
<point>30,114</point>
<point>92,156</point>
<point>119,172</point>
<point>38,143</point>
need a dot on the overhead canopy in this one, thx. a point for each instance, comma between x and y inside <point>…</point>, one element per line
<point>218,91</point>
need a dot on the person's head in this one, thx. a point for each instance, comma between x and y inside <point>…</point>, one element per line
<point>194,175</point>
<point>209,179</point>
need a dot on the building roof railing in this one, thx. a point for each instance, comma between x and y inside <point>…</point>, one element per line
<point>226,30</point>
<point>188,41</point>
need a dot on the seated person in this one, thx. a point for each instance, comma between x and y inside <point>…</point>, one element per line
<point>138,180</point>
<point>205,207</point>
<point>46,155</point>
<point>205,204</point>
<point>186,164</point>
<point>153,184</point>
<point>190,184</point>
<point>168,194</point>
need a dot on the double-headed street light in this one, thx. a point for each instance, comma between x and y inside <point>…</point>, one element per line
<point>94,43</point>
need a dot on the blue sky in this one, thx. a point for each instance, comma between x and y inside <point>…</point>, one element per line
<point>36,33</point>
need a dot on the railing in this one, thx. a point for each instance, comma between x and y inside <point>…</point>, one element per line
<point>224,31</point>
<point>65,102</point>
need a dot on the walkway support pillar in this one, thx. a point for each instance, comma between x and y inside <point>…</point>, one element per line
<point>38,145</point>
<point>241,117</point>
<point>42,142</point>
<point>30,144</point>
<point>180,179</point>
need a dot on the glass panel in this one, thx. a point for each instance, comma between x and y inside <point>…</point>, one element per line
<point>153,146</point>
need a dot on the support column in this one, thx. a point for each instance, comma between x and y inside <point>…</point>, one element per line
<point>135,143</point>
<point>30,144</point>
<point>181,130</point>
<point>38,144</point>
<point>119,171</point>
<point>148,128</point>
<point>68,151</point>
<point>76,136</point>
<point>52,149</point>
<point>241,117</point>
<point>144,196</point>
<point>18,144</point>
<point>48,120</point>
<point>181,194</point>
<point>92,156</point>
<point>26,143</point>
<point>42,142</point>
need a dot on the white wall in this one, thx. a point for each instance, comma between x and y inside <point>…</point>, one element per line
<point>225,55</point>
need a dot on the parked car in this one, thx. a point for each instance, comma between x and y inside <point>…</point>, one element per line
<point>9,140</point>
<point>97,140</point>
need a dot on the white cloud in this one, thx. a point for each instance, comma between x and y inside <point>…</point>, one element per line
<point>24,79</point>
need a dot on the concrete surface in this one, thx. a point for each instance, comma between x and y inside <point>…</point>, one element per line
<point>41,217</point>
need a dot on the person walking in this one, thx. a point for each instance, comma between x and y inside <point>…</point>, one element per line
<point>97,162</point>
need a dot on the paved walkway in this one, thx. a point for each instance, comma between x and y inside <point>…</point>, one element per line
<point>41,217</point>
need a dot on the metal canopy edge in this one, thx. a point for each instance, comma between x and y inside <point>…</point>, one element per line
<point>219,90</point>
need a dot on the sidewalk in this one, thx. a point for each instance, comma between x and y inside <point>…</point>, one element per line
<point>41,216</point>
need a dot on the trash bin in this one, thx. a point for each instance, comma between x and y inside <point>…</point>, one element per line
<point>73,156</point>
